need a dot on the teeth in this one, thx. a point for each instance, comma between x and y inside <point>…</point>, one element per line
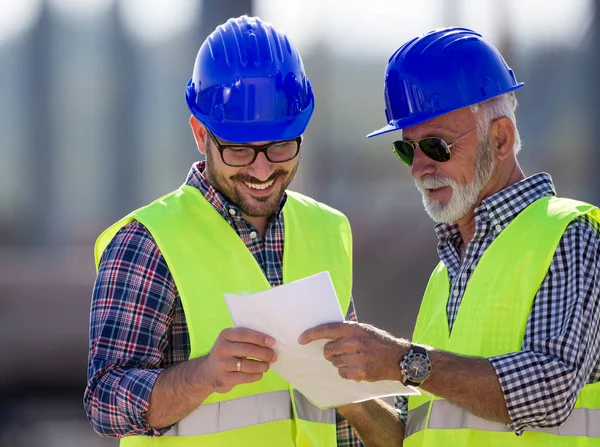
<point>259,185</point>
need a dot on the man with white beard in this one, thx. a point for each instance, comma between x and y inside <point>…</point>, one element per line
<point>464,196</point>
<point>507,340</point>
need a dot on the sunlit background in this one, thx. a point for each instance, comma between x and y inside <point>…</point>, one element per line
<point>93,124</point>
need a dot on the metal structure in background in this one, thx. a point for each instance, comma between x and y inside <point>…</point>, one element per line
<point>125,176</point>
<point>41,150</point>
<point>124,148</point>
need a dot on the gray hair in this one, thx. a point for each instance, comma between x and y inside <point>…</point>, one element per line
<point>486,111</point>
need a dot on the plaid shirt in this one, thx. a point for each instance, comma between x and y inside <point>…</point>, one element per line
<point>561,346</point>
<point>137,323</point>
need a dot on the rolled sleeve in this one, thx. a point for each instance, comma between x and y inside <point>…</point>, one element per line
<point>118,400</point>
<point>539,391</point>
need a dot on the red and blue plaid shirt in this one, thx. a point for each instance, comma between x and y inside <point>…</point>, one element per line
<point>137,323</point>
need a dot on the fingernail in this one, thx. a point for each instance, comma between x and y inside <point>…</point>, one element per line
<point>269,341</point>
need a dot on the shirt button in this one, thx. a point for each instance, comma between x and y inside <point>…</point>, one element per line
<point>232,211</point>
<point>498,228</point>
<point>455,293</point>
<point>253,235</point>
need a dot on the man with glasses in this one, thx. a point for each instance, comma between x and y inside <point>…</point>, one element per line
<point>165,365</point>
<point>507,340</point>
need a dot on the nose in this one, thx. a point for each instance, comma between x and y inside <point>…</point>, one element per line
<point>262,168</point>
<point>422,164</point>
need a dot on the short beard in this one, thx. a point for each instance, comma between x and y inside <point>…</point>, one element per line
<point>464,196</point>
<point>252,207</point>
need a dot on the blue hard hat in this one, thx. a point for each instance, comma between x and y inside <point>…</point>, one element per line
<point>439,72</point>
<point>249,84</point>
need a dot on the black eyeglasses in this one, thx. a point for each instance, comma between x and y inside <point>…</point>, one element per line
<point>435,148</point>
<point>239,155</point>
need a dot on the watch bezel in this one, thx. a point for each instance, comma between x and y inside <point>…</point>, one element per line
<point>416,353</point>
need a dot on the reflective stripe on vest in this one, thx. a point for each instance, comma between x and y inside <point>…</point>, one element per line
<point>249,410</point>
<point>447,416</point>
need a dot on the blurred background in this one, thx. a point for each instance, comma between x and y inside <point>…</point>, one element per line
<point>93,124</point>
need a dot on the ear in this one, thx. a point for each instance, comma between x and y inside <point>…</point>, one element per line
<point>199,132</point>
<point>502,137</point>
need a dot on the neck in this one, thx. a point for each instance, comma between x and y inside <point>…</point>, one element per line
<point>466,224</point>
<point>260,223</point>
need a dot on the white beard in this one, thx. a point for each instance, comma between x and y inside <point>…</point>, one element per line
<point>464,196</point>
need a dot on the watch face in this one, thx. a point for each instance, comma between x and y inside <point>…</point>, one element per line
<point>417,367</point>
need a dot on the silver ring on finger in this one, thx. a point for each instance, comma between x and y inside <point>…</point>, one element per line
<point>238,365</point>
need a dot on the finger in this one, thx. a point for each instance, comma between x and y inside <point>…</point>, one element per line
<point>352,373</point>
<point>329,331</point>
<point>339,347</point>
<point>248,366</point>
<point>349,360</point>
<point>339,361</point>
<point>249,350</point>
<point>245,335</point>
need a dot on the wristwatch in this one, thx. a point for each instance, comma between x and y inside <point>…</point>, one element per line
<point>415,366</point>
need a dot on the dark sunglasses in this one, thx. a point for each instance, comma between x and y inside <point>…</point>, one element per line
<point>435,148</point>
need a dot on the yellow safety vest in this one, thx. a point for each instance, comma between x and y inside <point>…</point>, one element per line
<point>207,259</point>
<point>491,321</point>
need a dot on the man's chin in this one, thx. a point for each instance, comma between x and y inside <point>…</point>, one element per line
<point>437,218</point>
<point>439,213</point>
<point>258,213</point>
<point>260,206</point>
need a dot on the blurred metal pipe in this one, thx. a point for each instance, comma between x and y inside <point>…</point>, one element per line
<point>42,141</point>
<point>124,180</point>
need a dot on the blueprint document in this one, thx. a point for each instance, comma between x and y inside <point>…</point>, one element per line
<point>284,312</point>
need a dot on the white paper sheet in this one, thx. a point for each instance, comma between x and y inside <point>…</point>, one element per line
<point>285,312</point>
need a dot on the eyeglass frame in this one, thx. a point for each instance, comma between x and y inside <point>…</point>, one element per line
<point>257,149</point>
<point>416,143</point>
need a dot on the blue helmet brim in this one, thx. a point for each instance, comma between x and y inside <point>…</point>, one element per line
<point>413,120</point>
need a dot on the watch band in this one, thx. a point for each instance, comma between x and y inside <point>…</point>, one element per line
<point>418,349</point>
<point>409,382</point>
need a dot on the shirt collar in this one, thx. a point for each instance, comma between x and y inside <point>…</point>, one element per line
<point>501,208</point>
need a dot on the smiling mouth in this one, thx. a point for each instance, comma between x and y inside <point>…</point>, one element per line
<point>259,186</point>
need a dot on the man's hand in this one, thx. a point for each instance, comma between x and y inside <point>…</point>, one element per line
<point>360,351</point>
<point>239,355</point>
